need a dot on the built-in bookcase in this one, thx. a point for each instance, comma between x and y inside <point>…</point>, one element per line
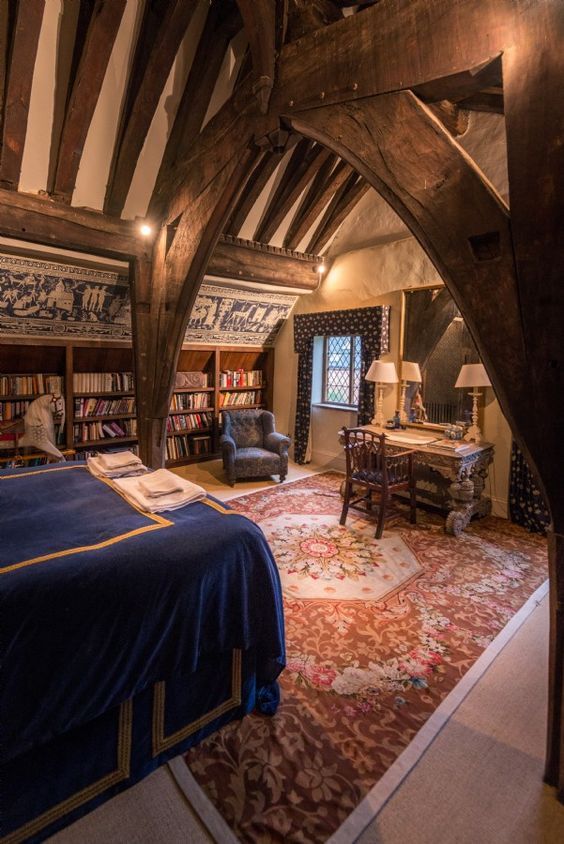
<point>98,384</point>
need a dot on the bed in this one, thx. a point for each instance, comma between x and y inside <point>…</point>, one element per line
<point>127,637</point>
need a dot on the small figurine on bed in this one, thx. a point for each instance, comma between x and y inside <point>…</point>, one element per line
<point>40,426</point>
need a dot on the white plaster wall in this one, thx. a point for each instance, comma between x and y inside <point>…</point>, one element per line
<point>35,159</point>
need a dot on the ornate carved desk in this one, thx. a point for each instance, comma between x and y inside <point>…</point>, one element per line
<point>453,481</point>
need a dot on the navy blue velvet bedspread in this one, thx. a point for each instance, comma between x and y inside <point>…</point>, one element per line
<point>99,600</point>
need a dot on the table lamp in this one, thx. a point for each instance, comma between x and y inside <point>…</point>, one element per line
<point>409,372</point>
<point>473,375</point>
<point>382,373</point>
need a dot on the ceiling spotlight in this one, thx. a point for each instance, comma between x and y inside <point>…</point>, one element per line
<point>145,229</point>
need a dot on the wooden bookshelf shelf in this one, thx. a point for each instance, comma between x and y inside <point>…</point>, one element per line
<point>108,416</point>
<point>242,389</point>
<point>100,395</point>
<point>241,406</point>
<point>194,390</point>
<point>188,410</point>
<point>107,441</point>
<point>183,431</point>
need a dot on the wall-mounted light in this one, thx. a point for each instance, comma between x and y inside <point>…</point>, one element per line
<point>145,229</point>
<point>321,268</point>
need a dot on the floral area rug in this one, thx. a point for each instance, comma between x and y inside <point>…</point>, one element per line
<point>378,633</point>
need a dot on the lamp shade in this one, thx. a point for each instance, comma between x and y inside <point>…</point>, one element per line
<point>473,375</point>
<point>383,373</point>
<point>410,371</point>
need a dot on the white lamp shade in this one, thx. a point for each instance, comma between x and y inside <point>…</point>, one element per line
<point>410,371</point>
<point>473,375</point>
<point>383,373</point>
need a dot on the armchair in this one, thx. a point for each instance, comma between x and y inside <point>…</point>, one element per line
<point>251,447</point>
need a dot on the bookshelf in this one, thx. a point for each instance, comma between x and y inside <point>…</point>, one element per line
<point>99,392</point>
<point>26,372</point>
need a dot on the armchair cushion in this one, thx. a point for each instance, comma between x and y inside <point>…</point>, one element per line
<point>246,429</point>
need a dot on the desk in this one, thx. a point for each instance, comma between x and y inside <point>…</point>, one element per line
<point>450,480</point>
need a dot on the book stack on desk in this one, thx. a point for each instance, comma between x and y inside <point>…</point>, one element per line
<point>455,446</point>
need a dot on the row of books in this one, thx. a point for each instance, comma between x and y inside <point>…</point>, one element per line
<point>86,431</point>
<point>104,382</point>
<point>189,401</point>
<point>240,378</point>
<point>28,385</point>
<point>189,421</point>
<point>240,398</point>
<point>103,407</point>
<point>177,448</point>
<point>13,409</point>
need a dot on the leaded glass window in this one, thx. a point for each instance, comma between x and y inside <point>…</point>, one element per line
<point>341,370</point>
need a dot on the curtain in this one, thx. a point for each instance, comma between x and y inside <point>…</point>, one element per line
<point>526,503</point>
<point>372,325</point>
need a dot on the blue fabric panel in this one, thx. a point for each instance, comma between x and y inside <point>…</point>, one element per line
<point>85,631</point>
<point>51,777</point>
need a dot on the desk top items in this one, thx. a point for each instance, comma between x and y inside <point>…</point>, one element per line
<point>473,375</point>
<point>382,373</point>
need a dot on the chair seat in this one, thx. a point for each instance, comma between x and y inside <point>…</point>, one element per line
<point>251,462</point>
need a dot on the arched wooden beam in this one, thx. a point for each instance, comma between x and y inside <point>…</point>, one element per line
<point>102,32</point>
<point>162,302</point>
<point>407,155</point>
<point>533,70</point>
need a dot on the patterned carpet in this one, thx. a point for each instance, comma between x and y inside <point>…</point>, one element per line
<point>373,649</point>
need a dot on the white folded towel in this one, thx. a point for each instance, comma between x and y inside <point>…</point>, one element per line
<point>131,490</point>
<point>96,468</point>
<point>118,459</point>
<point>159,483</point>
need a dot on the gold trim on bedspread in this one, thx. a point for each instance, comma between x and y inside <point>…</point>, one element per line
<point>96,788</point>
<point>159,522</point>
<point>162,742</point>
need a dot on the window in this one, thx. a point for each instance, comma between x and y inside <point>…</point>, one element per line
<point>341,370</point>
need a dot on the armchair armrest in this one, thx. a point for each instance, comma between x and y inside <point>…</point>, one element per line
<point>227,444</point>
<point>277,443</point>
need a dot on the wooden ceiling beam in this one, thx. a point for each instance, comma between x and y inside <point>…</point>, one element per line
<point>102,31</point>
<point>460,86</point>
<point>255,184</point>
<point>41,220</point>
<point>303,165</point>
<point>484,101</point>
<point>248,261</point>
<point>193,106</point>
<point>364,54</point>
<point>349,194</point>
<point>153,68</point>
<point>259,19</point>
<point>25,40</point>
<point>316,199</point>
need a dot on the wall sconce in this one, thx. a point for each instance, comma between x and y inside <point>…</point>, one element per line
<point>473,375</point>
<point>382,373</point>
<point>145,230</point>
<point>410,372</point>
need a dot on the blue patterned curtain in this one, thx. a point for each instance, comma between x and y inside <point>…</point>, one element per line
<point>372,325</point>
<point>526,503</point>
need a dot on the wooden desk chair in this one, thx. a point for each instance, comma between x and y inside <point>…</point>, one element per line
<point>369,466</point>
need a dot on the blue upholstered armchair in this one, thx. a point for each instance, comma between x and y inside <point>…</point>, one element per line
<point>251,447</point>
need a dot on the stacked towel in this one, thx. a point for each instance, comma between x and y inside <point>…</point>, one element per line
<point>118,464</point>
<point>161,482</point>
<point>165,492</point>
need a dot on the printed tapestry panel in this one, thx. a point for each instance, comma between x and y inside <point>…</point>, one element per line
<point>44,298</point>
<point>226,316</point>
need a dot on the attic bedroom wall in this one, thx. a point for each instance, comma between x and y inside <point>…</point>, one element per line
<point>374,259</point>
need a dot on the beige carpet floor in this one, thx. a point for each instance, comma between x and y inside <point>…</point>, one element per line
<point>480,781</point>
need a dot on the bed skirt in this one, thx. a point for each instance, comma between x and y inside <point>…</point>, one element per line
<point>54,784</point>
